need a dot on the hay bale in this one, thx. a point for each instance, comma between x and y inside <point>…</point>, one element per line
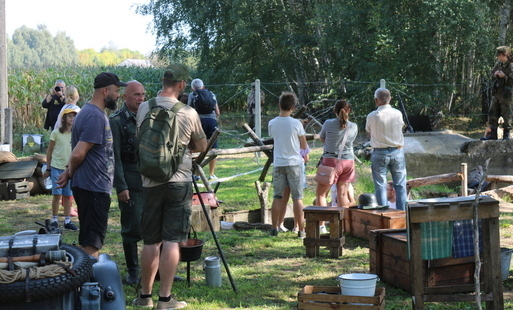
<point>7,157</point>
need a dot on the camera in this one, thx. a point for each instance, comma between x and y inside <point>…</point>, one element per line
<point>58,88</point>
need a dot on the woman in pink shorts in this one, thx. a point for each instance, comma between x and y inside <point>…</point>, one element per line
<point>337,155</point>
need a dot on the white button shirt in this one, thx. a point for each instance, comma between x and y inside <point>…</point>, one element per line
<point>385,125</point>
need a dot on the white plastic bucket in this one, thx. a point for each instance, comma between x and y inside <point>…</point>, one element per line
<point>358,284</point>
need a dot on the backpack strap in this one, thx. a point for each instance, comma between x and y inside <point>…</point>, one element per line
<point>152,103</point>
<point>178,106</point>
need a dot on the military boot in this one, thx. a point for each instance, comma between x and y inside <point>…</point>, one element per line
<point>132,263</point>
<point>492,135</point>
<point>505,135</point>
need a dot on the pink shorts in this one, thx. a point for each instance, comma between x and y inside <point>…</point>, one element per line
<point>344,167</point>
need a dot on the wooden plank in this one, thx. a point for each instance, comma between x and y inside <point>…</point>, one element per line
<point>456,298</point>
<point>500,178</point>
<point>435,179</point>
<point>421,213</point>
<point>17,170</point>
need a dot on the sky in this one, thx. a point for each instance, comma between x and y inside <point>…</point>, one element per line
<point>90,23</point>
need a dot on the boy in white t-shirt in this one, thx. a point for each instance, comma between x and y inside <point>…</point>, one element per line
<point>290,153</point>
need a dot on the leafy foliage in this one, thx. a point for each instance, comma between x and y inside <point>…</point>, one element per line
<point>37,48</point>
<point>310,44</point>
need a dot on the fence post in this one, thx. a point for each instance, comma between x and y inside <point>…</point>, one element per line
<point>382,83</point>
<point>464,180</point>
<point>258,109</point>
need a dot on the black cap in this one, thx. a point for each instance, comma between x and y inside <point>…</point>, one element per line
<point>105,79</point>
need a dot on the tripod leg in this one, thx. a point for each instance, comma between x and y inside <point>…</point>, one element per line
<point>213,234</point>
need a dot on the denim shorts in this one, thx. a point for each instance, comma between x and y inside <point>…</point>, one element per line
<point>65,191</point>
<point>291,176</point>
<point>166,212</point>
<point>209,126</point>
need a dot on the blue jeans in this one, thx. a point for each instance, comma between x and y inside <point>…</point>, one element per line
<point>382,161</point>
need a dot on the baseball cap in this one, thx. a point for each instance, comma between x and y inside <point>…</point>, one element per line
<point>506,50</point>
<point>105,79</point>
<point>67,111</point>
<point>176,72</point>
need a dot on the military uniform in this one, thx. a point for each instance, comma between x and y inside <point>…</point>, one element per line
<point>127,177</point>
<point>502,100</point>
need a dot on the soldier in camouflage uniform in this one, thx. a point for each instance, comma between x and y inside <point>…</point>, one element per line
<point>502,100</point>
<point>127,179</point>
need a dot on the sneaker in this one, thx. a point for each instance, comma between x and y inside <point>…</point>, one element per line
<point>172,304</point>
<point>54,225</point>
<point>73,212</point>
<point>323,230</point>
<point>273,232</point>
<point>282,228</point>
<point>212,177</point>
<point>143,302</point>
<point>301,234</point>
<point>70,226</point>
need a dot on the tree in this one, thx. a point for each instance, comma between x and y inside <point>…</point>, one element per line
<point>38,48</point>
<point>313,44</point>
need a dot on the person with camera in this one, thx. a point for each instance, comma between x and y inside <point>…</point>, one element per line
<point>54,103</point>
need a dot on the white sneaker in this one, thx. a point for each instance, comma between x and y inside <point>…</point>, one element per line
<point>323,230</point>
<point>282,228</point>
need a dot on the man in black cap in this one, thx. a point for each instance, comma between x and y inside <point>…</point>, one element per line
<point>91,164</point>
<point>167,205</point>
<point>502,91</point>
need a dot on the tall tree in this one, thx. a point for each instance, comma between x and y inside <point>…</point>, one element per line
<point>311,42</point>
<point>38,48</point>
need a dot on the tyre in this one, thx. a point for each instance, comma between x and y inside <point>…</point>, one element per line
<point>40,289</point>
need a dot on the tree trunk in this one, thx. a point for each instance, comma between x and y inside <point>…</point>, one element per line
<point>505,13</point>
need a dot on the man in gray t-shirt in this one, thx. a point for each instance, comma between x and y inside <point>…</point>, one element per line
<point>91,164</point>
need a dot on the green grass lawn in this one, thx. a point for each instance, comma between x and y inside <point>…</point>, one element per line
<point>268,272</point>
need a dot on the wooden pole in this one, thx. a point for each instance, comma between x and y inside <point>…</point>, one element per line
<point>262,189</point>
<point>4,88</point>
<point>464,180</point>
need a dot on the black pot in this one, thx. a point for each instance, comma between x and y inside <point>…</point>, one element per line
<point>191,250</point>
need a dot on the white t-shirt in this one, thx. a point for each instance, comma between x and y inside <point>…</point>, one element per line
<point>391,205</point>
<point>286,132</point>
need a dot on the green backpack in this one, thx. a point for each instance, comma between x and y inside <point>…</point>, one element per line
<point>160,150</point>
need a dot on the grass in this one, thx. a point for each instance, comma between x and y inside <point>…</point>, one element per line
<point>268,272</point>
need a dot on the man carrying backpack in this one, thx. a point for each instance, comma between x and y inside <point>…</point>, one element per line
<point>167,200</point>
<point>205,103</point>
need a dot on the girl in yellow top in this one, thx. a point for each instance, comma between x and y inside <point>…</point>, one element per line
<point>59,151</point>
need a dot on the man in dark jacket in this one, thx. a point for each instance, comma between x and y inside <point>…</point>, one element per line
<point>127,179</point>
<point>54,103</point>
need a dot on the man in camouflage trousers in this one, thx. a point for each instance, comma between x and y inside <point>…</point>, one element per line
<point>502,91</point>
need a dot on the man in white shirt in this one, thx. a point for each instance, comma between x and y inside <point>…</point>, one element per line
<point>385,126</point>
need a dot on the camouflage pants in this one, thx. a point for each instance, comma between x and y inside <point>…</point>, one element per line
<point>500,108</point>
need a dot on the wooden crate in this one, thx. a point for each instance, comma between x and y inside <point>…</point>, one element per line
<point>328,297</point>
<point>363,221</point>
<point>14,190</point>
<point>388,254</point>
<point>199,221</point>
